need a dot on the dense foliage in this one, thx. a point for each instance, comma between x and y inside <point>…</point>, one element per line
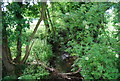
<point>91,40</point>
<point>74,35</point>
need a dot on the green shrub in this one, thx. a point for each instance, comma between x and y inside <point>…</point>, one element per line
<point>98,62</point>
<point>9,78</point>
<point>43,52</point>
<point>34,72</point>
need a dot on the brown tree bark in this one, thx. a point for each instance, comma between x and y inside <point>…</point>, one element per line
<point>10,68</point>
<point>6,54</point>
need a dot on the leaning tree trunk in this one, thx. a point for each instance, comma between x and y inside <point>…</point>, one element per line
<point>28,47</point>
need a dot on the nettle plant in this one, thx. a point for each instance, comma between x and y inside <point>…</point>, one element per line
<point>99,63</point>
<point>94,45</point>
<point>97,60</point>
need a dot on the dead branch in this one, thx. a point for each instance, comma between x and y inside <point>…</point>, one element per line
<point>56,73</point>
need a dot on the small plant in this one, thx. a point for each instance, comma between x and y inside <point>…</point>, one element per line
<point>10,78</point>
<point>34,72</point>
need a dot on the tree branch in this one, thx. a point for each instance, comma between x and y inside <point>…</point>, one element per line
<point>46,20</point>
<point>49,18</point>
<point>55,72</point>
<point>34,32</point>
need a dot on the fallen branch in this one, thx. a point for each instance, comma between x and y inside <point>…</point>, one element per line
<point>55,72</point>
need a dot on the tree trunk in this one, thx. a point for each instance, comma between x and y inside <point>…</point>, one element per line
<point>45,18</point>
<point>19,30</point>
<point>10,68</point>
<point>6,54</point>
